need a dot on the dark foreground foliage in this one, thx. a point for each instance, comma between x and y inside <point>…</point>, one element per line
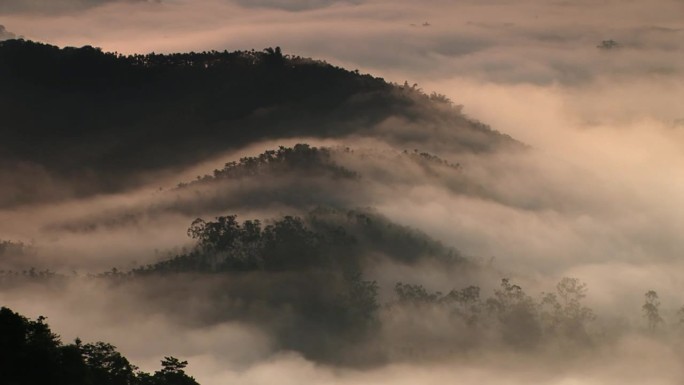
<point>31,354</point>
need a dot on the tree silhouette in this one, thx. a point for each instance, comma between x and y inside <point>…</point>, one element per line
<point>651,311</point>
<point>172,373</point>
<point>106,365</point>
<point>31,354</point>
<point>415,294</point>
<point>563,314</point>
<point>517,315</point>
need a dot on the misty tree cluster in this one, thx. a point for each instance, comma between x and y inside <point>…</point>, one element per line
<point>31,354</point>
<point>652,314</point>
<point>608,45</point>
<point>312,266</point>
<point>509,317</point>
<point>512,318</point>
<point>427,158</point>
<point>12,253</point>
<point>8,248</point>
<point>10,277</point>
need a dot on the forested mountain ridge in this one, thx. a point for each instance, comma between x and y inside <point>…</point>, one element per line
<point>82,121</point>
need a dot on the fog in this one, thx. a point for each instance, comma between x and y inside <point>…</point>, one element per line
<point>596,196</point>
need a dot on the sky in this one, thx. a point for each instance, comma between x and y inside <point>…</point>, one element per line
<point>598,199</point>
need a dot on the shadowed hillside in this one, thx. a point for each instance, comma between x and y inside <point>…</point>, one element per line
<point>77,121</point>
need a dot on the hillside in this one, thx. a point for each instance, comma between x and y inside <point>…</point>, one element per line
<point>79,121</point>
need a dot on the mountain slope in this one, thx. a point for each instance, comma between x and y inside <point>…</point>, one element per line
<point>78,121</point>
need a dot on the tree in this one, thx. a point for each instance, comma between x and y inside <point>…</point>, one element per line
<point>650,309</point>
<point>29,351</point>
<point>173,365</point>
<point>562,312</point>
<point>415,294</point>
<point>215,236</point>
<point>468,303</point>
<point>608,45</point>
<point>172,373</point>
<point>362,298</point>
<point>106,365</point>
<point>517,315</point>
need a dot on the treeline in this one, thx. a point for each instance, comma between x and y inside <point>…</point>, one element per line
<point>510,316</point>
<point>311,160</point>
<point>31,354</point>
<point>556,322</point>
<point>300,158</point>
<point>7,276</point>
<point>21,57</point>
<point>326,238</point>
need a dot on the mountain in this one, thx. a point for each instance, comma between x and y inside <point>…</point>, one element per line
<point>79,121</point>
<point>283,240</point>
